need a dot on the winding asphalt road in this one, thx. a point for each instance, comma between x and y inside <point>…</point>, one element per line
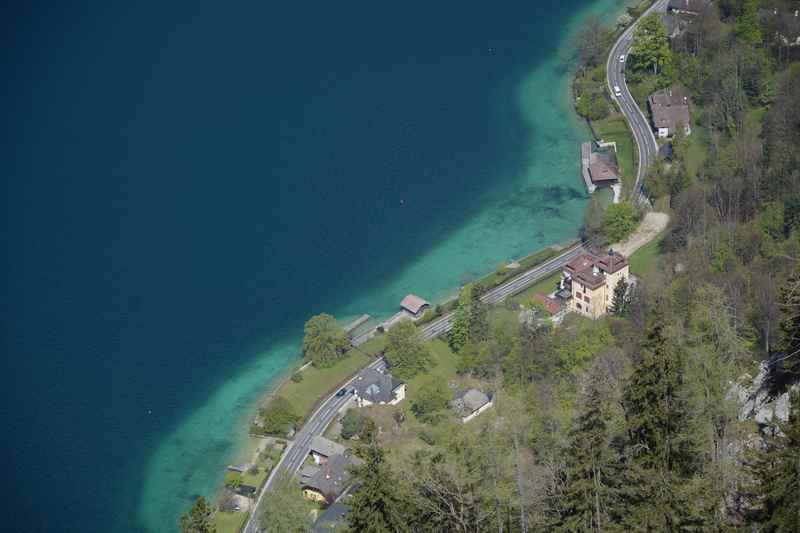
<point>640,127</point>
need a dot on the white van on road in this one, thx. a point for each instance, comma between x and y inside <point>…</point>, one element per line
<point>617,90</point>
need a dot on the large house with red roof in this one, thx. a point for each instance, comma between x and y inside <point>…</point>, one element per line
<point>588,281</point>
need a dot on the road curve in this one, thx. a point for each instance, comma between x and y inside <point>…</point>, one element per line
<point>640,127</point>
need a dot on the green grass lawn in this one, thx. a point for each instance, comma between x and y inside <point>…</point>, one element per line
<point>319,382</point>
<point>445,366</point>
<point>615,129</point>
<point>545,286</point>
<point>645,258</point>
<point>230,522</point>
<point>697,150</point>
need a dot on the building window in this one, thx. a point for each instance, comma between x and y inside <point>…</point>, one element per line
<point>578,305</point>
<point>586,299</point>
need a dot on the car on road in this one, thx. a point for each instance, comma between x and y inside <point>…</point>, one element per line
<point>617,90</point>
<point>341,392</point>
<point>622,58</point>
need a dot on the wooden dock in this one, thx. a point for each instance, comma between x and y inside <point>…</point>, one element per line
<point>586,154</point>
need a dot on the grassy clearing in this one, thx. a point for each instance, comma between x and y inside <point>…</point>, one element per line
<point>445,367</point>
<point>230,522</point>
<point>697,150</point>
<point>645,258</point>
<point>319,382</point>
<point>615,129</point>
<point>544,286</point>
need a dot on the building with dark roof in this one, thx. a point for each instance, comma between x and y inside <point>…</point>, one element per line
<point>330,480</point>
<point>333,519</point>
<point>603,167</point>
<point>322,449</point>
<point>374,387</point>
<point>670,110</point>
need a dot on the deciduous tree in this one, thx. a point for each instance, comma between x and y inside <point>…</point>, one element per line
<point>324,341</point>
<point>650,49</point>
<point>405,351</point>
<point>619,221</point>
<point>430,401</point>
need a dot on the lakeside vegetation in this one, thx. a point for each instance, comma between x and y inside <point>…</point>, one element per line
<point>631,422</point>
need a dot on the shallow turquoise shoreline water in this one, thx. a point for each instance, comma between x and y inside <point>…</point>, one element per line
<point>539,205</point>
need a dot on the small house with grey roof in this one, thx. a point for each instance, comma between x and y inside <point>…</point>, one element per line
<point>373,387</point>
<point>470,403</point>
<point>323,449</point>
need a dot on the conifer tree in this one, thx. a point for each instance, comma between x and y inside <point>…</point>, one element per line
<point>661,452</point>
<point>778,470</point>
<point>198,519</point>
<point>592,468</point>
<point>621,299</point>
<point>478,315</point>
<point>375,506</point>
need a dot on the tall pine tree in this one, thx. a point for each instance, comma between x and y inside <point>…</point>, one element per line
<point>592,468</point>
<point>199,518</point>
<point>375,506</point>
<point>470,324</point>
<point>621,299</point>
<point>661,453</point>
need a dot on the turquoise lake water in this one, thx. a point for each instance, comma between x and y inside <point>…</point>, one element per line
<point>186,184</point>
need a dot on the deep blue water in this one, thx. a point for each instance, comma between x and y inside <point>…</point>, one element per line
<point>186,182</point>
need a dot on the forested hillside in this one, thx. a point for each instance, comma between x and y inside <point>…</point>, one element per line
<point>632,423</point>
